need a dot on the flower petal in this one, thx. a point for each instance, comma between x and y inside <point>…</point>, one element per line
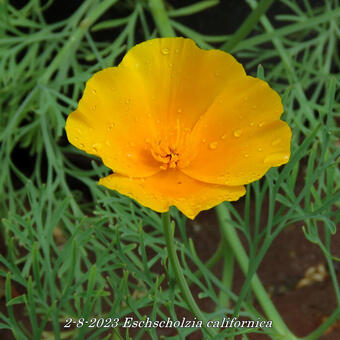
<point>109,122</point>
<point>240,137</point>
<point>183,80</point>
<point>171,187</point>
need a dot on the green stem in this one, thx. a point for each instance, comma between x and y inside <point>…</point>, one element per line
<point>336,313</point>
<point>181,281</point>
<point>247,25</point>
<point>161,18</point>
<point>227,274</point>
<point>268,307</point>
<point>323,328</point>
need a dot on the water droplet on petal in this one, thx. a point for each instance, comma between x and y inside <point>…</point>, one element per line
<point>245,155</point>
<point>237,133</point>
<point>94,91</point>
<point>276,157</point>
<point>111,126</point>
<point>224,136</point>
<point>251,124</point>
<point>128,101</point>
<point>94,107</point>
<point>259,149</point>
<point>204,140</point>
<point>165,51</point>
<point>213,145</point>
<point>82,145</point>
<point>179,110</point>
<point>260,124</point>
<point>276,141</point>
<point>96,147</point>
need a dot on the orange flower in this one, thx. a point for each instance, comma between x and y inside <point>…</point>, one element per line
<point>180,126</point>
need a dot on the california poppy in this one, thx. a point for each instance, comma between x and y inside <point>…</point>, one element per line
<point>180,126</point>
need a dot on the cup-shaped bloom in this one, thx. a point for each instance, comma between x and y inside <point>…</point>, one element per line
<point>180,126</point>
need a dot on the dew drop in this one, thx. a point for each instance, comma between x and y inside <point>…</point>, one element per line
<point>128,101</point>
<point>94,91</point>
<point>259,149</point>
<point>276,157</point>
<point>165,51</point>
<point>245,155</point>
<point>82,145</point>
<point>224,136</point>
<point>204,140</point>
<point>237,133</point>
<point>96,147</point>
<point>111,126</point>
<point>276,141</point>
<point>213,145</point>
<point>179,110</point>
<point>260,124</point>
<point>251,124</point>
<point>94,107</point>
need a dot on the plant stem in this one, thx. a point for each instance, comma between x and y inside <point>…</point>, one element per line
<point>247,25</point>
<point>271,312</point>
<point>323,328</point>
<point>161,18</point>
<point>228,272</point>
<point>181,281</point>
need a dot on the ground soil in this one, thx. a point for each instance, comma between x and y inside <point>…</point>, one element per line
<point>284,266</point>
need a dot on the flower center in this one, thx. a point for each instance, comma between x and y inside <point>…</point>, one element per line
<point>166,155</point>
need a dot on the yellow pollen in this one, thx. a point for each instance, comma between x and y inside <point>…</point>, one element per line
<point>167,156</point>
